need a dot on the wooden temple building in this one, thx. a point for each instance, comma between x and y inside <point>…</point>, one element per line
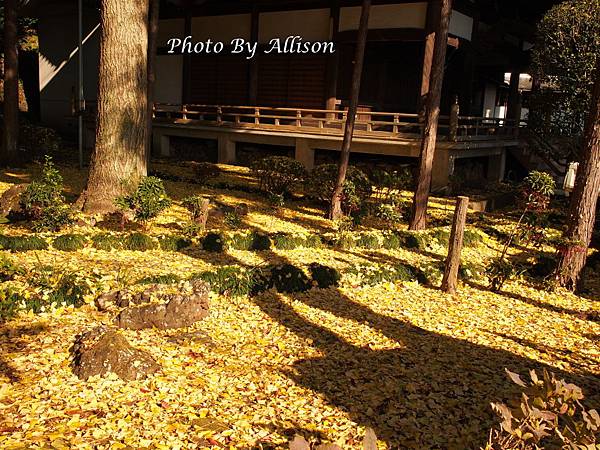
<point>299,101</point>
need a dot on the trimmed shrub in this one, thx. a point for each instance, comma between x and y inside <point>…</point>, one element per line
<point>107,242</point>
<point>214,242</point>
<point>278,174</point>
<point>313,241</point>
<point>286,241</point>
<point>369,241</point>
<point>173,243</point>
<point>232,219</point>
<point>472,238</point>
<point>324,276</point>
<point>168,278</point>
<point>471,271</point>
<point>147,201</point>
<point>260,241</point>
<point>23,243</point>
<point>289,278</point>
<point>441,235</point>
<point>544,266</point>
<point>241,241</point>
<point>415,239</point>
<point>232,281</point>
<point>139,242</point>
<point>70,242</point>
<point>321,182</point>
<point>344,240</point>
<point>372,275</point>
<point>392,241</point>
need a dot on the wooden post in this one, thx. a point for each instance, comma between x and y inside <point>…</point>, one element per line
<point>153,16</point>
<point>253,69</point>
<point>455,247</point>
<point>335,211</point>
<point>431,25</point>
<point>432,114</point>
<point>333,62</point>
<point>10,149</point>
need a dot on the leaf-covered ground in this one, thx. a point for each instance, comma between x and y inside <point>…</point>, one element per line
<point>419,366</point>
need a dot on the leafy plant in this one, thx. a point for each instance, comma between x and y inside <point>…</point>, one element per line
<point>368,240</point>
<point>168,278</point>
<point>499,271</point>
<point>214,242</point>
<point>278,174</point>
<point>232,281</point>
<point>390,183</point>
<point>321,182</point>
<point>196,205</point>
<point>286,241</point>
<point>23,243</point>
<point>232,219</point>
<point>147,201</point>
<point>288,278</point>
<point>8,269</point>
<point>139,242</point>
<point>260,241</point>
<point>11,302</point>
<point>43,202</point>
<point>548,414</point>
<point>70,242</point>
<point>391,213</point>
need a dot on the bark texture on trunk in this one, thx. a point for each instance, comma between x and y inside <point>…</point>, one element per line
<point>450,280</point>
<point>10,150</point>
<point>432,113</point>
<point>582,213</point>
<point>335,211</point>
<point>153,14</point>
<point>120,154</point>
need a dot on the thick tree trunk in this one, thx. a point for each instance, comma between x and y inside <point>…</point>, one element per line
<point>152,48</point>
<point>582,215</point>
<point>432,113</point>
<point>10,151</point>
<point>120,154</point>
<point>335,211</point>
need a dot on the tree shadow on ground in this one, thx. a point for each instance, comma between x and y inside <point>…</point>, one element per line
<point>11,341</point>
<point>429,391</point>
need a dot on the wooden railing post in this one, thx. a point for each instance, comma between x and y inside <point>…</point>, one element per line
<point>450,280</point>
<point>219,115</point>
<point>256,116</point>
<point>184,112</point>
<point>454,113</point>
<point>396,122</point>
<point>298,118</point>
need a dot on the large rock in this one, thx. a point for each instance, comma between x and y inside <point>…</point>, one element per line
<point>176,311</point>
<point>124,298</point>
<point>9,202</point>
<point>102,350</point>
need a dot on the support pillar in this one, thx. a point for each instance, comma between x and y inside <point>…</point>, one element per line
<point>227,153</point>
<point>442,170</point>
<point>496,167</point>
<point>305,154</point>
<point>333,61</point>
<point>514,98</point>
<point>431,25</point>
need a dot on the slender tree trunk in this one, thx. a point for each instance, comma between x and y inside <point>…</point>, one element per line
<point>152,48</point>
<point>432,113</point>
<point>120,154</point>
<point>10,151</point>
<point>582,214</point>
<point>335,211</point>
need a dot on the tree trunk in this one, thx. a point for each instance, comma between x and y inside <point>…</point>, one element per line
<point>582,214</point>
<point>335,211</point>
<point>119,158</point>
<point>152,48</point>
<point>450,280</point>
<point>10,151</point>
<point>432,113</point>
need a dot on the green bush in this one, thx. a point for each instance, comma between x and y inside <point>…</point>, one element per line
<point>472,238</point>
<point>391,183</point>
<point>214,242</point>
<point>391,214</point>
<point>241,241</point>
<point>173,243</point>
<point>415,239</point>
<point>23,243</point>
<point>232,281</point>
<point>321,182</point>
<point>373,275</point>
<point>286,241</point>
<point>260,241</point>
<point>471,271</point>
<point>499,271</point>
<point>392,241</point>
<point>324,276</point>
<point>278,174</point>
<point>440,235</point>
<point>232,219</point>
<point>58,288</point>
<point>344,240</point>
<point>147,201</point>
<point>43,202</point>
<point>107,242</point>
<point>168,278</point>
<point>313,241</point>
<point>369,241</point>
<point>70,242</point>
<point>139,242</point>
<point>288,278</point>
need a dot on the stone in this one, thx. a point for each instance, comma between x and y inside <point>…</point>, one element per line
<point>124,298</point>
<point>103,350</point>
<point>176,311</point>
<point>9,202</point>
